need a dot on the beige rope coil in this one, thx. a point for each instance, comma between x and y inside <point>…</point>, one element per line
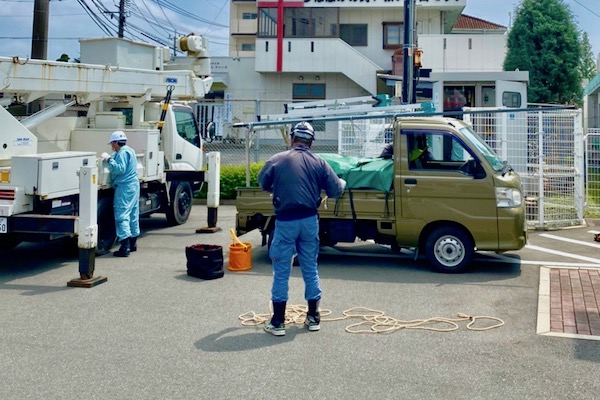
<point>375,321</point>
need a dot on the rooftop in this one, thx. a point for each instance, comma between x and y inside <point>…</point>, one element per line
<point>466,22</point>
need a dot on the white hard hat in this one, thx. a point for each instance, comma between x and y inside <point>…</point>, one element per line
<point>117,136</point>
<point>303,130</point>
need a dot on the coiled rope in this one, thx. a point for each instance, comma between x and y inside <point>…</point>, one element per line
<point>375,321</point>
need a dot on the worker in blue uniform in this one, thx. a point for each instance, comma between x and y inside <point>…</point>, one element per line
<point>122,165</point>
<point>295,178</point>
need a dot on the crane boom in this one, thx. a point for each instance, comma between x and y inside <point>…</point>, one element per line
<point>31,79</point>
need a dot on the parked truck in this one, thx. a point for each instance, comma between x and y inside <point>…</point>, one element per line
<point>119,85</point>
<point>444,193</point>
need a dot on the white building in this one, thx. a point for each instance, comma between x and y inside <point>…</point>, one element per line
<point>329,49</point>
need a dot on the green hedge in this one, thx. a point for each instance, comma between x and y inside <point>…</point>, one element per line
<point>233,176</point>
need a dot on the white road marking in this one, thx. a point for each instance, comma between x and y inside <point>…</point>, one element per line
<point>580,242</point>
<point>589,262</point>
<point>510,260</point>
<point>563,254</point>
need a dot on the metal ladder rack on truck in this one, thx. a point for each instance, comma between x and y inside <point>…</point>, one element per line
<point>41,156</point>
<point>442,192</point>
<point>345,109</point>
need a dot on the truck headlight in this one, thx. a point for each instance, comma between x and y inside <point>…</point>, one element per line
<point>508,197</point>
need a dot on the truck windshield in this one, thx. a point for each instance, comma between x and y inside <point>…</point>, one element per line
<point>483,147</point>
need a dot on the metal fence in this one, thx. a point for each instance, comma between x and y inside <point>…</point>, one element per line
<point>560,167</point>
<point>549,158</point>
<point>592,169</point>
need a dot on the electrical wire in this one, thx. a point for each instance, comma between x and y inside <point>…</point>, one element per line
<point>170,6</point>
<point>159,23</point>
<point>593,12</point>
<point>94,17</point>
<point>218,13</point>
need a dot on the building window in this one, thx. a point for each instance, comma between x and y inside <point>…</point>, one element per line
<point>248,15</point>
<point>248,47</point>
<point>354,34</point>
<point>267,22</point>
<point>511,99</point>
<point>300,22</point>
<point>308,91</point>
<point>393,35</point>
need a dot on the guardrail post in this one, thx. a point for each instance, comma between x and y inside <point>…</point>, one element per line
<point>213,192</point>
<point>87,229</point>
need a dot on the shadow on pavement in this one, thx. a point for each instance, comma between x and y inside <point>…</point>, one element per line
<point>390,267</point>
<point>245,338</point>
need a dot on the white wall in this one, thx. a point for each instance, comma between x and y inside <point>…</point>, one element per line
<point>430,24</point>
<point>487,52</point>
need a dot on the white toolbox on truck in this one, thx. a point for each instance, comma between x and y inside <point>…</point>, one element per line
<point>50,175</point>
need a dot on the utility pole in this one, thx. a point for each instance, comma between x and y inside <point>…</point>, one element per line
<point>121,18</point>
<point>408,52</point>
<point>39,34</point>
<point>39,42</point>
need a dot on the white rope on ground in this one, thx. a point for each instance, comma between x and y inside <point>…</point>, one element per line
<point>375,321</point>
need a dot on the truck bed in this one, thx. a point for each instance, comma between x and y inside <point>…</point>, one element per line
<point>366,204</point>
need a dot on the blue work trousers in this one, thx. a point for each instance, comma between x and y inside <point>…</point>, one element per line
<point>299,236</point>
<point>127,210</point>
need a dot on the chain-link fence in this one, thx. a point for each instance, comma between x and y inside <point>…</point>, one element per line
<point>560,170</point>
<point>592,169</point>
<point>546,148</point>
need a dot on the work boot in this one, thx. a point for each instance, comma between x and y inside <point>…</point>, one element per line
<point>133,243</point>
<point>124,249</point>
<point>277,325</point>
<point>313,317</point>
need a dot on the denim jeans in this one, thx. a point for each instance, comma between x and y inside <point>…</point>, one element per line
<point>300,236</point>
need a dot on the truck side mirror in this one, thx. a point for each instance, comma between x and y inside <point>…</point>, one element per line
<point>210,130</point>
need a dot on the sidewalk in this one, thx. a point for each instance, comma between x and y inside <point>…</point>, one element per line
<point>569,302</point>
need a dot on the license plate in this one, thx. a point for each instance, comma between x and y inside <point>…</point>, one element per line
<point>3,225</point>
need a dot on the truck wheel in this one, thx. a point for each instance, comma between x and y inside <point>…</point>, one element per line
<point>449,249</point>
<point>107,235</point>
<point>180,207</point>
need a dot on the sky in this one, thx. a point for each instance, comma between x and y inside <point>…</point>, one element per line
<point>69,21</point>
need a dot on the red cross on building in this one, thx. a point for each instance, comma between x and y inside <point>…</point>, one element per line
<point>280,5</point>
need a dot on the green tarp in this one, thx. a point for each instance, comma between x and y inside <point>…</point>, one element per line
<point>362,173</point>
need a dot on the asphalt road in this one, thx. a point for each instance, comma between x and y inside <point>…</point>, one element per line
<point>152,332</point>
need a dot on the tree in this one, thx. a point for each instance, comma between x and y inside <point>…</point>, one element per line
<point>544,40</point>
<point>588,65</point>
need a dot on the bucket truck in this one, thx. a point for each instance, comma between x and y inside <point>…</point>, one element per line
<point>119,85</point>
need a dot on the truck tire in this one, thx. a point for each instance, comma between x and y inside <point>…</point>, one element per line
<point>180,206</point>
<point>449,249</point>
<point>107,234</point>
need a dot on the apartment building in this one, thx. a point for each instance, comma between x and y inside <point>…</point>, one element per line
<point>328,49</point>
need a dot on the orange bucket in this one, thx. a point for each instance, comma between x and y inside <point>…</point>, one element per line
<point>240,254</point>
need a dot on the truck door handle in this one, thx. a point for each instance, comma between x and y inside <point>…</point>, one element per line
<point>178,156</point>
<point>410,181</point>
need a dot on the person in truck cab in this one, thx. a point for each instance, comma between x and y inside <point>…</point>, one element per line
<point>419,152</point>
<point>295,178</point>
<point>122,165</point>
<point>388,151</point>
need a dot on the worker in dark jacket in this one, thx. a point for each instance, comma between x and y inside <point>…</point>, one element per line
<point>295,178</point>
